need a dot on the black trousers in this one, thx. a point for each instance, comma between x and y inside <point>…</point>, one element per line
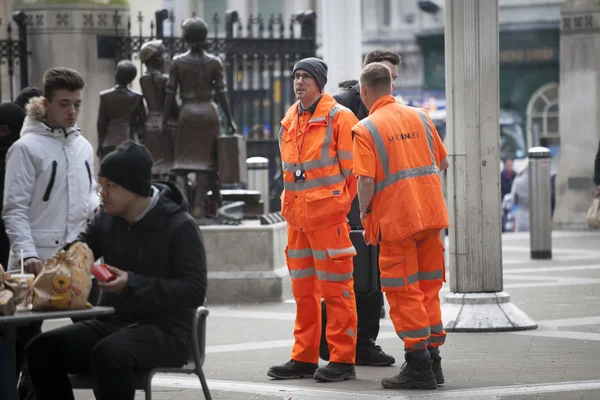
<point>26,333</point>
<point>113,349</point>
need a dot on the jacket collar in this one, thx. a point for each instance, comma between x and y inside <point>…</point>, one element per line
<point>382,101</point>
<point>320,115</point>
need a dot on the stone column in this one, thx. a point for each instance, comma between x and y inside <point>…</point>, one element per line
<point>476,301</point>
<point>579,121</point>
<point>66,35</point>
<point>6,8</point>
<point>342,40</point>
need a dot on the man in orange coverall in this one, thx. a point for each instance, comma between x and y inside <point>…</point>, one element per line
<point>398,156</point>
<point>315,140</point>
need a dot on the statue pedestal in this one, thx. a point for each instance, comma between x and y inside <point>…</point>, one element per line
<point>246,263</point>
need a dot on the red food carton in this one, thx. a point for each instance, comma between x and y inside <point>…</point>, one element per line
<point>102,273</point>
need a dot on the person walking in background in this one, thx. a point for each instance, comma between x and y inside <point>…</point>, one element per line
<point>507,176</point>
<point>316,152</point>
<point>597,171</point>
<point>520,198</point>
<point>398,156</point>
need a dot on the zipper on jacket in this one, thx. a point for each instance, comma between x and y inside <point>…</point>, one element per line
<point>89,171</point>
<point>50,182</point>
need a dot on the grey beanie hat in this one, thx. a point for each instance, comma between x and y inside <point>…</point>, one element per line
<point>314,66</point>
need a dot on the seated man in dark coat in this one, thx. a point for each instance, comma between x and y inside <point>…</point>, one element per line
<point>155,249</point>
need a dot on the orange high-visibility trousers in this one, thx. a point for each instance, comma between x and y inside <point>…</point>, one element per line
<point>412,274</point>
<point>320,266</point>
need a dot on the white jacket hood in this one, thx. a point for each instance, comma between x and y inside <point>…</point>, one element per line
<point>34,121</point>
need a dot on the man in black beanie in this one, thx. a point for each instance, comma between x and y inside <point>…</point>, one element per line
<point>315,140</point>
<point>154,247</point>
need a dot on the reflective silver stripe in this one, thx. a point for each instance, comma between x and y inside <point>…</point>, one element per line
<point>425,121</point>
<point>338,252</point>
<point>314,183</point>
<point>344,155</point>
<point>430,276</point>
<point>346,294</point>
<point>302,273</point>
<point>405,174</point>
<point>390,179</point>
<point>350,332</point>
<point>324,161</point>
<point>347,172</point>
<point>420,345</point>
<point>313,164</point>
<point>331,277</point>
<point>379,145</point>
<point>399,282</point>
<point>299,253</point>
<point>437,339</point>
<point>320,254</point>
<point>439,328</point>
<point>417,333</point>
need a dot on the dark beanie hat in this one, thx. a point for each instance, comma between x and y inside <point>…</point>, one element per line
<point>13,116</point>
<point>314,66</point>
<point>130,166</point>
<point>27,94</point>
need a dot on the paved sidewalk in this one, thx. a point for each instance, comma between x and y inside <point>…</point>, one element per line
<point>559,360</point>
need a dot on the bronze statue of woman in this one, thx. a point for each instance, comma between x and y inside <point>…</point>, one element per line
<point>198,75</point>
<point>154,85</point>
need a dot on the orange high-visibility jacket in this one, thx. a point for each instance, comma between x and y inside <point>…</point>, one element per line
<point>400,148</point>
<point>321,145</point>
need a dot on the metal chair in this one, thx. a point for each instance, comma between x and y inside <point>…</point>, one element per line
<point>194,366</point>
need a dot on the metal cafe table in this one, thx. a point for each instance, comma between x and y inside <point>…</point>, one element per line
<point>10,323</point>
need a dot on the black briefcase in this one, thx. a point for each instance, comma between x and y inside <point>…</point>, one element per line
<point>366,265</point>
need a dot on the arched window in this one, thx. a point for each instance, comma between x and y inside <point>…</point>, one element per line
<point>542,115</point>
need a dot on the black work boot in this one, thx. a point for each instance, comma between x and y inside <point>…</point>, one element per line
<point>293,370</point>
<point>415,374</point>
<point>436,368</point>
<point>371,354</point>
<point>335,372</point>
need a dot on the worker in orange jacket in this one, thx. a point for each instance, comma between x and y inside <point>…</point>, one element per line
<point>398,156</point>
<point>315,140</point>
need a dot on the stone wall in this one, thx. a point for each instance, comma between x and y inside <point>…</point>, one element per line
<point>61,35</point>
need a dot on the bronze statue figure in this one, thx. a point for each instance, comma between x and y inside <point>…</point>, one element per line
<point>122,115</point>
<point>197,75</point>
<point>154,85</point>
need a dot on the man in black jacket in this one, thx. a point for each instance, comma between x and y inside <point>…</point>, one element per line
<point>368,306</point>
<point>154,247</point>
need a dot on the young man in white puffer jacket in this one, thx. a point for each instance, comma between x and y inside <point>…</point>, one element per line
<point>50,191</point>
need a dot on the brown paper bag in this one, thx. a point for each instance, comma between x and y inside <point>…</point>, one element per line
<point>7,304</point>
<point>593,215</point>
<point>64,282</point>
